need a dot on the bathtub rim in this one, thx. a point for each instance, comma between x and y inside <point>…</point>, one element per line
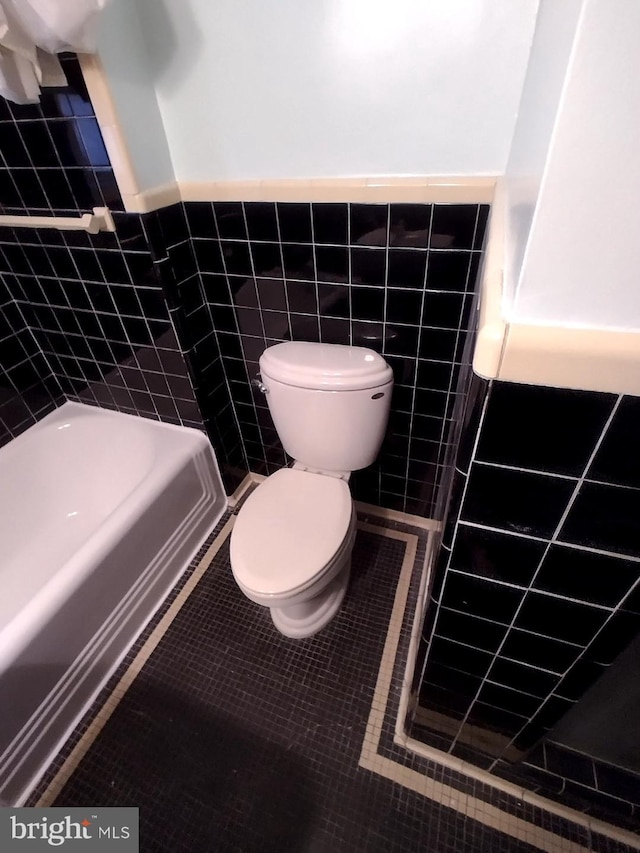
<point>19,631</point>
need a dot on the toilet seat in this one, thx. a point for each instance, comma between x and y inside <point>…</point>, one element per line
<point>290,531</point>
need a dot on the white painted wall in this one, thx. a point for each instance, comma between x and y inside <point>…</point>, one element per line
<point>582,259</point>
<point>250,90</point>
<point>129,73</point>
<point>555,32</point>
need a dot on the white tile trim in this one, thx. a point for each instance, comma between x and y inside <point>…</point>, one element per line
<point>587,359</point>
<point>422,190</point>
<point>389,652</point>
<point>416,630</point>
<point>135,200</point>
<point>396,515</point>
<point>148,200</point>
<point>492,327</point>
<point>244,486</point>
<point>107,116</point>
<point>382,189</point>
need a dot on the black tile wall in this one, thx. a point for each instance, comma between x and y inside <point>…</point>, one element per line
<point>53,157</point>
<point>107,339</point>
<point>106,314</point>
<point>28,388</point>
<point>174,263</point>
<point>556,446</point>
<point>537,581</point>
<point>397,278</point>
<point>578,781</point>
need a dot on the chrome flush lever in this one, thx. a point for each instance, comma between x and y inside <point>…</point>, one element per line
<point>259,384</point>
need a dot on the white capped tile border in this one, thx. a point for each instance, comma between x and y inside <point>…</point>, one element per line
<point>588,359</point>
<point>418,189</point>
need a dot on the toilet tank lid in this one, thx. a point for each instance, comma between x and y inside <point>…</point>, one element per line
<point>325,366</point>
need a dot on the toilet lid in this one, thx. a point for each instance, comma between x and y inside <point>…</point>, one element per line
<point>288,530</point>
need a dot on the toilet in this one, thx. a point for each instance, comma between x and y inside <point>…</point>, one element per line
<point>292,540</point>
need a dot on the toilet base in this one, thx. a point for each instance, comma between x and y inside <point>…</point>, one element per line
<point>309,617</point>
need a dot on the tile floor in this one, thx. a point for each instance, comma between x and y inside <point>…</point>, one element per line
<point>230,737</point>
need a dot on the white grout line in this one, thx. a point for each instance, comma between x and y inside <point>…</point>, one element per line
<point>537,591</point>
<point>502,466</point>
<point>469,806</point>
<point>560,542</point>
<point>316,286</point>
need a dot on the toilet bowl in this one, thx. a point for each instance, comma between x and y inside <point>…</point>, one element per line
<point>292,541</point>
<point>291,548</point>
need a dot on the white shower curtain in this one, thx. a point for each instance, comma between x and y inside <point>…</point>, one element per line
<point>32,32</point>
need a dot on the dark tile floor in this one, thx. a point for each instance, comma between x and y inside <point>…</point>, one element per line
<point>234,738</point>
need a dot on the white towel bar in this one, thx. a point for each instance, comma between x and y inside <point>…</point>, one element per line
<point>99,220</point>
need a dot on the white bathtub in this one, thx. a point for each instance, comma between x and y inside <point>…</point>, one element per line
<point>100,513</point>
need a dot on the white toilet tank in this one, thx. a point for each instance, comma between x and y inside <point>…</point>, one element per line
<point>329,403</point>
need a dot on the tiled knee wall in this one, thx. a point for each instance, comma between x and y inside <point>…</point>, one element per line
<point>397,278</point>
<point>537,584</point>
